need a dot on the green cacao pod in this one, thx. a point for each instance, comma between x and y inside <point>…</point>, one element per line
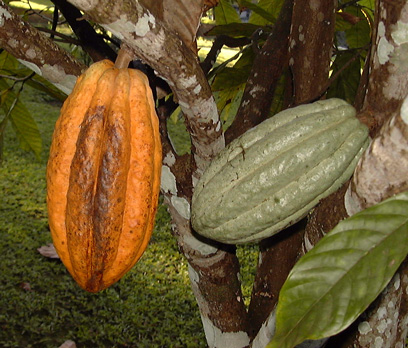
<point>274,174</point>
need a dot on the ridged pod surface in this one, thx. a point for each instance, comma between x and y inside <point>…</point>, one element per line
<point>103,175</point>
<point>274,174</point>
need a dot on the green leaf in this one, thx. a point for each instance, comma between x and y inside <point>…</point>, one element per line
<point>225,13</point>
<point>43,85</point>
<point>236,29</point>
<point>23,123</point>
<point>228,101</point>
<point>342,275</point>
<point>342,24</point>
<point>265,15</point>
<point>176,115</point>
<point>346,84</point>
<point>272,7</point>
<point>10,66</point>
<point>230,78</point>
<point>359,35</point>
<point>7,61</point>
<point>279,95</point>
<point>244,59</point>
<point>368,8</point>
<point>231,107</point>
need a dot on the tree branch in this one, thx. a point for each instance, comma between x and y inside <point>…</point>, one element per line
<point>277,256</point>
<point>36,51</point>
<point>216,47</point>
<point>311,48</point>
<point>262,81</point>
<point>91,42</point>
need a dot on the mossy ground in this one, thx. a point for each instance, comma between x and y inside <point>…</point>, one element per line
<point>40,304</point>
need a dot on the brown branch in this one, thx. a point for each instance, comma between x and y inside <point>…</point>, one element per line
<point>65,38</point>
<point>277,257</point>
<point>311,44</point>
<point>218,44</point>
<point>332,79</point>
<point>267,69</point>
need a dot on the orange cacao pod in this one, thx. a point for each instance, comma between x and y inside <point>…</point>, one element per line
<point>103,175</point>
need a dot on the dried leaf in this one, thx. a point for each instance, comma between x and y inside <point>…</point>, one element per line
<point>68,344</point>
<point>25,286</point>
<point>48,251</point>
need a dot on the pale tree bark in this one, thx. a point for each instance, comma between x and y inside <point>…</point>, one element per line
<point>33,49</point>
<point>381,172</point>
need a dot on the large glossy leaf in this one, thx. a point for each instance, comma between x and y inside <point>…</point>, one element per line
<point>228,101</point>
<point>7,61</point>
<point>230,78</point>
<point>23,123</point>
<point>338,279</point>
<point>230,109</point>
<point>243,64</point>
<point>368,7</point>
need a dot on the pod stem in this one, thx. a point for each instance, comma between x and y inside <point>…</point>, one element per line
<point>123,59</point>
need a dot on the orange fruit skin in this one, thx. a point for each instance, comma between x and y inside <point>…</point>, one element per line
<point>103,175</point>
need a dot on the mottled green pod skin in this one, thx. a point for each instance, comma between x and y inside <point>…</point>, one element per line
<point>274,174</point>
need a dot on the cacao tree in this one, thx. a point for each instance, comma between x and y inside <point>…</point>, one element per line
<point>291,52</point>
